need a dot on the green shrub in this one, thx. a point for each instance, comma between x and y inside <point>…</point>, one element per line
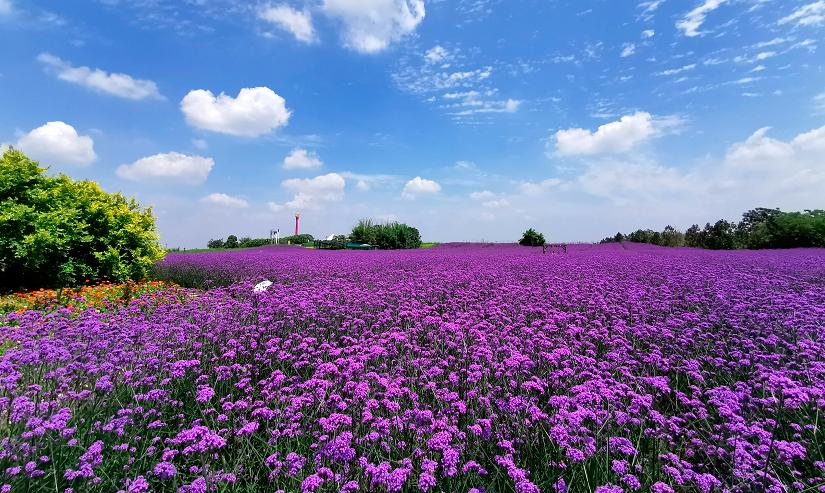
<point>531,237</point>
<point>56,232</point>
<point>215,243</point>
<point>301,239</point>
<point>387,236</point>
<point>231,242</point>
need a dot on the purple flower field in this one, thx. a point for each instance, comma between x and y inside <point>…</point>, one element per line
<point>454,369</point>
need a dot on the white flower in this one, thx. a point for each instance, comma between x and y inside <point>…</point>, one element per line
<point>262,286</point>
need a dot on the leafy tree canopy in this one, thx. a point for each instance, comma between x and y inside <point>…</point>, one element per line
<point>532,237</point>
<point>55,231</point>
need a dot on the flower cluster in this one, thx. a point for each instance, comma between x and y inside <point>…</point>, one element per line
<point>100,296</point>
<point>473,368</point>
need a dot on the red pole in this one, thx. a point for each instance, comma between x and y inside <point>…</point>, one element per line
<point>296,224</point>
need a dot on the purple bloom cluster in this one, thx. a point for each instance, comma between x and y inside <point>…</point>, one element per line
<point>470,368</point>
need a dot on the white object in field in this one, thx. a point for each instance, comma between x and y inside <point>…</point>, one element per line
<point>262,286</point>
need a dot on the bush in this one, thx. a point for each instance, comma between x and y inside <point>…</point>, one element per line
<point>231,242</point>
<point>215,243</point>
<point>301,239</point>
<point>254,242</point>
<point>387,236</point>
<point>57,232</point>
<point>532,237</point>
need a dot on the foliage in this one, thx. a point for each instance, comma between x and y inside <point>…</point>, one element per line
<point>532,237</point>
<point>463,369</point>
<point>231,242</point>
<point>215,243</point>
<point>386,236</point>
<point>301,239</point>
<point>759,228</point>
<point>55,231</point>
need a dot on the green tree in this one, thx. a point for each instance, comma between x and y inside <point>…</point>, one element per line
<point>532,237</point>
<point>215,243</point>
<point>55,231</point>
<point>387,236</point>
<point>231,242</point>
<point>694,237</point>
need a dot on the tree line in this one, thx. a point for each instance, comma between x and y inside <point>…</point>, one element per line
<point>758,229</point>
<point>386,236</point>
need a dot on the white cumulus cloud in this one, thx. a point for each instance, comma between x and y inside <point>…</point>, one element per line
<point>419,186</point>
<point>693,20</point>
<point>58,143</point>
<point>302,159</point>
<point>811,14</point>
<point>370,26</point>
<point>224,200</point>
<point>296,22</point>
<point>613,137</point>
<point>115,84</point>
<point>171,167</point>
<point>312,193</point>
<point>254,112</point>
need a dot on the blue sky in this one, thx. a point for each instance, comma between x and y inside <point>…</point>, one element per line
<point>471,119</point>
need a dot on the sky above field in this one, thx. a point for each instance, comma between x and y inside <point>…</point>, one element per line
<point>470,119</point>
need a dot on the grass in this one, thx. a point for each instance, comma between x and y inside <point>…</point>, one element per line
<point>429,245</point>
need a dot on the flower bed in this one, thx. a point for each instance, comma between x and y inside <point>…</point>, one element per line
<point>454,369</point>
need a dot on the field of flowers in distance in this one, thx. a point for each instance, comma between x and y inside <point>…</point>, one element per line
<point>467,368</point>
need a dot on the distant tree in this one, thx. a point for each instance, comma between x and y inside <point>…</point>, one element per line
<point>231,242</point>
<point>720,236</point>
<point>532,237</point>
<point>387,236</point>
<point>618,238</point>
<point>365,232</point>
<point>672,237</point>
<point>694,237</point>
<point>215,243</point>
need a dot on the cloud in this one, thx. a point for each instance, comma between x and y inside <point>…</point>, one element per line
<point>58,143</point>
<point>254,112</point>
<point>435,54</point>
<point>370,26</point>
<point>115,84</point>
<point>693,20</point>
<point>534,189</point>
<point>626,181</point>
<point>483,195</point>
<point>312,193</point>
<point>648,33</point>
<point>171,167</point>
<point>297,22</point>
<point>613,137</point>
<point>819,103</point>
<point>649,8</point>
<point>224,200</point>
<point>676,71</point>
<point>628,50</point>
<point>6,7</point>
<point>760,170</point>
<point>419,186</point>
<point>302,159</point>
<point>366,182</point>
<point>812,14</point>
